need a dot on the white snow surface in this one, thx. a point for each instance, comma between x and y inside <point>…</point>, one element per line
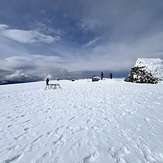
<point>109,121</point>
<point>152,65</point>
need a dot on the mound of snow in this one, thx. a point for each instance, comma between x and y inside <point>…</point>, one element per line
<point>151,65</point>
<point>146,70</point>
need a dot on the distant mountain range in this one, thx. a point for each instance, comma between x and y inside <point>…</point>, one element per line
<point>20,77</point>
<point>152,65</point>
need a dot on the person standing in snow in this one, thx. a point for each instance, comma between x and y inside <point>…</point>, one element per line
<point>47,81</point>
<point>102,75</point>
<point>111,75</point>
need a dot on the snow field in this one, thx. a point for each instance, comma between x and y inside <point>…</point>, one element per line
<point>108,121</point>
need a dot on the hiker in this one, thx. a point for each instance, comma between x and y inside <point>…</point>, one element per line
<point>111,75</point>
<point>102,75</point>
<point>47,81</point>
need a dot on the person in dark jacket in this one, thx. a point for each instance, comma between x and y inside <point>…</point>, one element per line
<point>102,75</point>
<point>111,75</point>
<point>47,81</point>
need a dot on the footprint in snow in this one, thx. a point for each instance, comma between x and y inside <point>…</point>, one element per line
<point>118,154</point>
<point>90,157</point>
<point>147,120</point>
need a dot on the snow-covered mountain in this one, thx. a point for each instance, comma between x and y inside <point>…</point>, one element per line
<point>151,65</point>
<point>20,76</point>
<point>109,121</point>
<point>17,77</point>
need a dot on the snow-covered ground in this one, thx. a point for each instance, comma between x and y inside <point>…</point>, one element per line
<point>108,121</point>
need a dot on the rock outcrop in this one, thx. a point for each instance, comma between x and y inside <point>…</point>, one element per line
<point>146,71</point>
<point>139,75</point>
<point>95,78</point>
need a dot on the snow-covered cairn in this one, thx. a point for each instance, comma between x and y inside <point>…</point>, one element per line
<point>146,70</point>
<point>95,78</point>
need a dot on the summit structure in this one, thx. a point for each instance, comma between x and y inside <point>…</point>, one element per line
<point>146,70</point>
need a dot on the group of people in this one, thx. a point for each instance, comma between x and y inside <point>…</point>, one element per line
<point>102,75</point>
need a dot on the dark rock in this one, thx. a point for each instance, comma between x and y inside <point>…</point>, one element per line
<point>95,79</point>
<point>140,75</point>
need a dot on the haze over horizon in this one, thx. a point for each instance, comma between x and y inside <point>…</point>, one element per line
<point>59,36</point>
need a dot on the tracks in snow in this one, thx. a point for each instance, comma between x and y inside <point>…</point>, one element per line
<point>82,122</point>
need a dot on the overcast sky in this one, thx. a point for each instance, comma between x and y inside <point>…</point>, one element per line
<point>79,35</point>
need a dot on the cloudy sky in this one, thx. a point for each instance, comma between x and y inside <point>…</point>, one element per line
<point>44,36</point>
